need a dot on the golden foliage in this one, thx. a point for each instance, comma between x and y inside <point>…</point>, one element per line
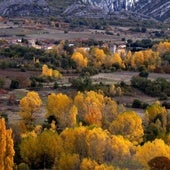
<point>29,104</point>
<point>163,47</point>
<point>80,60</point>
<point>46,71</point>
<point>118,60</point>
<point>97,144</point>
<point>98,57</point>
<point>6,147</point>
<point>88,164</point>
<point>121,148</point>
<point>50,72</point>
<point>128,58</point>
<point>153,111</point>
<point>61,106</point>
<point>151,59</point>
<point>137,59</point>
<point>151,150</point>
<point>74,140</point>
<point>94,108</point>
<point>129,125</point>
<point>46,146</point>
<point>90,106</point>
<point>67,162</point>
<point>83,51</point>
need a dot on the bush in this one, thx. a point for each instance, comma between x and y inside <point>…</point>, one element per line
<point>163,96</point>
<point>159,162</point>
<point>144,74</point>
<point>82,83</point>
<point>166,105</point>
<point>55,85</point>
<point>158,88</point>
<point>89,71</point>
<point>2,82</point>
<point>14,84</point>
<point>137,103</point>
<point>23,166</point>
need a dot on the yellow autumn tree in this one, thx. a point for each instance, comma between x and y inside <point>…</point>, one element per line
<point>121,149</point>
<point>83,51</point>
<point>137,59</point>
<point>118,60</point>
<point>109,60</point>
<point>74,140</point>
<point>154,110</point>
<point>95,108</point>
<point>46,71</point>
<point>90,105</point>
<point>98,57</point>
<point>80,60</point>
<point>151,59</point>
<point>6,147</point>
<point>61,106</point>
<point>40,151</point>
<point>29,105</point>
<point>97,144</point>
<point>67,162</point>
<point>110,111</point>
<point>88,164</point>
<point>151,150</point>
<point>129,125</point>
<point>94,115</point>
<point>163,47</point>
<point>128,58</point>
<point>56,74</point>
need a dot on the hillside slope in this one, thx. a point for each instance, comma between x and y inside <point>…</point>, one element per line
<point>159,9</point>
<point>24,8</point>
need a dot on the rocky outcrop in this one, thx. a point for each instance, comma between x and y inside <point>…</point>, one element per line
<point>159,9</point>
<point>24,8</point>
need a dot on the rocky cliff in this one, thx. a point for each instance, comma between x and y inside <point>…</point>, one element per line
<point>159,9</point>
<point>24,8</point>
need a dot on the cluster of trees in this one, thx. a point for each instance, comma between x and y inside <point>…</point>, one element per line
<point>49,72</point>
<point>89,131</point>
<point>16,56</point>
<point>102,58</point>
<point>64,56</point>
<point>155,88</point>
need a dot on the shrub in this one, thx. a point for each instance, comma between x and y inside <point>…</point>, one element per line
<point>55,85</point>
<point>82,83</point>
<point>137,103</point>
<point>23,166</point>
<point>166,105</point>
<point>144,74</point>
<point>14,84</point>
<point>2,82</point>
